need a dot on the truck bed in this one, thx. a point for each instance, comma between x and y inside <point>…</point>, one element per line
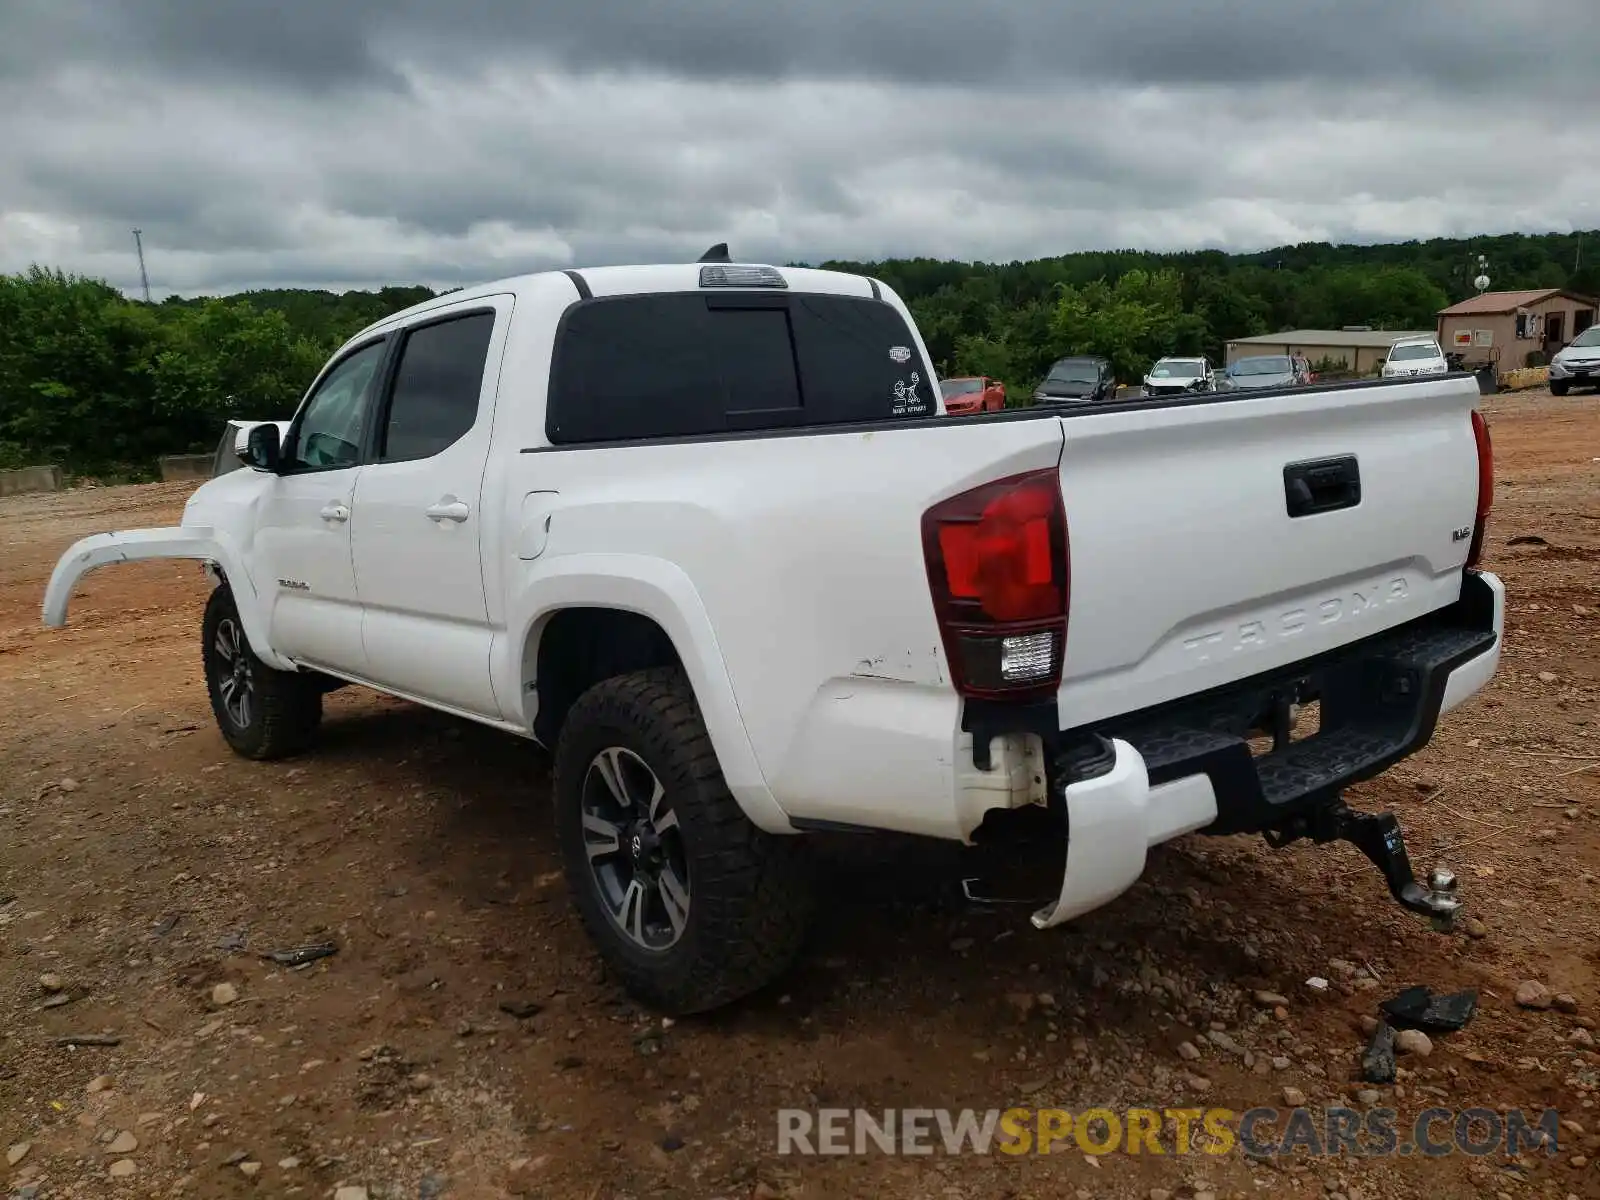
<point>1187,571</point>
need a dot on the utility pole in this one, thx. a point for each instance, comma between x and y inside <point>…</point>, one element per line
<point>144,279</point>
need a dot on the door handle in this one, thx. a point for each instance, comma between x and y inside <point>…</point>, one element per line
<point>447,510</point>
<point>335,512</point>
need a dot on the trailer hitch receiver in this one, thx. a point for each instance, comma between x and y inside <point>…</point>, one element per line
<point>1378,836</point>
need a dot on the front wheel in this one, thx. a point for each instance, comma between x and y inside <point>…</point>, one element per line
<point>1560,387</point>
<point>263,713</point>
<point>688,902</point>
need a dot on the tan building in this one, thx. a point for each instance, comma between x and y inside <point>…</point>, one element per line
<point>1503,328</point>
<point>1358,351</point>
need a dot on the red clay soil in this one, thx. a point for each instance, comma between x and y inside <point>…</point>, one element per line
<point>142,865</point>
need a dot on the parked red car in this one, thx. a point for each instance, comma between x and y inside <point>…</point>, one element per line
<point>972,393</point>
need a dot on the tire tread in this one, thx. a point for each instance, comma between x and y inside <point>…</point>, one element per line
<point>290,702</point>
<point>751,891</point>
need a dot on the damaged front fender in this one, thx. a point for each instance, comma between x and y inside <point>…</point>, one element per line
<point>199,543</point>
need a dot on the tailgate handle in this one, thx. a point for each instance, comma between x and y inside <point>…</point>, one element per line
<point>1322,485</point>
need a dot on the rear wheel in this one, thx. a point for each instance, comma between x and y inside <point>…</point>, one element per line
<point>688,902</point>
<point>262,713</point>
<point>1560,387</point>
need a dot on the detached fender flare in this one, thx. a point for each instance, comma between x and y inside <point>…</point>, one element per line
<point>658,589</point>
<point>200,543</point>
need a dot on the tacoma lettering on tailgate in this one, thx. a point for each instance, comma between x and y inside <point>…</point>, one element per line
<point>1258,632</point>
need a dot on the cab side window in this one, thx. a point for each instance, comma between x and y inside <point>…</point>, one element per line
<point>434,401</point>
<point>329,433</point>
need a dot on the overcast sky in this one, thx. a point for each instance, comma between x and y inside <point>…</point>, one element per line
<point>360,142</point>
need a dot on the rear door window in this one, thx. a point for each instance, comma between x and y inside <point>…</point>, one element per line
<point>436,387</point>
<point>686,364</point>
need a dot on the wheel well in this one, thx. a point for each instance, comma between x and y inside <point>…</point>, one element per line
<point>579,647</point>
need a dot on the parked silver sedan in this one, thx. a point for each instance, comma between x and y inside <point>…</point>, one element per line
<point>1264,371</point>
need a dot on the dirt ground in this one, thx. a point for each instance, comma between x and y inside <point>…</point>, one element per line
<point>142,865</point>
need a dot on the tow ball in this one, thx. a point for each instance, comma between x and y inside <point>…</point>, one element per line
<point>1378,836</point>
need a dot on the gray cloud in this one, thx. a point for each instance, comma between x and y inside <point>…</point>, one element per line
<point>358,143</point>
<point>1007,43</point>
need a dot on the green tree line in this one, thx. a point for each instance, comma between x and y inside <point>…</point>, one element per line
<point>103,384</point>
<point>1011,320</point>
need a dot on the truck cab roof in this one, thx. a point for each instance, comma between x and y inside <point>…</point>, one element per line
<point>643,279</point>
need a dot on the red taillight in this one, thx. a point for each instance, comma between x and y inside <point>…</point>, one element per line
<point>998,568</point>
<point>1480,434</point>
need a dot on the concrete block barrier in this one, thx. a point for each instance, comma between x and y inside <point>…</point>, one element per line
<point>30,479</point>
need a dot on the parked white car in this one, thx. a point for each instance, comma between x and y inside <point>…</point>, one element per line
<point>1178,376</point>
<point>1577,364</point>
<point>1415,356</point>
<point>705,532</point>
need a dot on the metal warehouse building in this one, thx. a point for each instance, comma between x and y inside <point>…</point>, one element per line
<point>1361,350</point>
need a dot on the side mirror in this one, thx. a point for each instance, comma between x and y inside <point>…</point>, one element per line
<point>261,447</point>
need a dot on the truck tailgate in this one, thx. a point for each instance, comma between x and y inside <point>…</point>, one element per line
<point>1188,569</point>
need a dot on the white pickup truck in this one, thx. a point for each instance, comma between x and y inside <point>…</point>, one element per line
<point>705,532</point>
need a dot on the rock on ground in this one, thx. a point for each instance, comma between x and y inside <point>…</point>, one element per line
<point>1533,994</point>
<point>1413,1041</point>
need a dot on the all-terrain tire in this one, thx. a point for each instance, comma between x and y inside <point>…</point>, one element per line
<point>750,893</point>
<point>283,709</point>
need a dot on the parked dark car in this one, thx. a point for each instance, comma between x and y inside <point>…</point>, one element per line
<point>1082,378</point>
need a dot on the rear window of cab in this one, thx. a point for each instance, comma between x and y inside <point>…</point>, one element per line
<point>687,364</point>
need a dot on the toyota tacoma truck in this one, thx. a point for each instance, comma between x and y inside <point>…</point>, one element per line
<point>705,532</point>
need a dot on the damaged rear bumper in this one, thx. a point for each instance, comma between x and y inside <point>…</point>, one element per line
<point>1113,819</point>
<point>1131,783</point>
